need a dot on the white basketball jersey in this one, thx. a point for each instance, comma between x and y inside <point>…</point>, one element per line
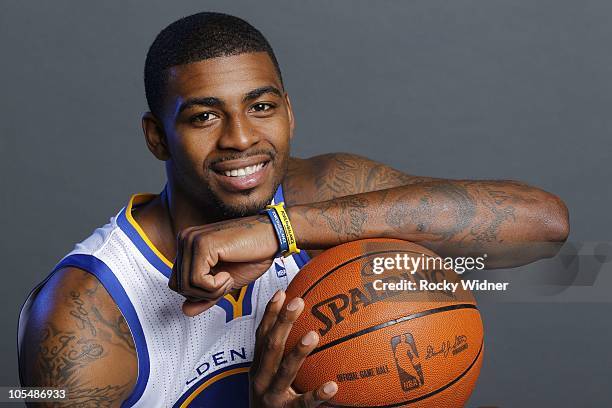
<point>182,361</point>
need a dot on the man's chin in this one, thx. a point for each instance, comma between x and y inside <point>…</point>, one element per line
<point>243,206</point>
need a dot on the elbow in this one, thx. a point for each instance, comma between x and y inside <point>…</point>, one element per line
<point>561,224</point>
<point>554,217</point>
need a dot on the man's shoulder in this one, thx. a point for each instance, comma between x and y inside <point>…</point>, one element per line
<point>331,175</point>
<point>75,317</point>
<point>321,177</point>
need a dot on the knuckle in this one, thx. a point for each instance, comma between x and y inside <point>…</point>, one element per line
<point>199,242</point>
<point>285,367</point>
<point>272,344</point>
<point>285,318</point>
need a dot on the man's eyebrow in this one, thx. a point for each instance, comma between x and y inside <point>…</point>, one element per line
<point>210,101</point>
<point>256,93</point>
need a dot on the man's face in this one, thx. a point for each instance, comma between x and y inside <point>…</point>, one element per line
<point>228,123</point>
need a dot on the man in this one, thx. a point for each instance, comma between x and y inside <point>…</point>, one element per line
<point>107,324</point>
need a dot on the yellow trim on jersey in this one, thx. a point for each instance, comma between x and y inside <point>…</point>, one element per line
<point>138,199</point>
<point>237,303</point>
<point>144,197</point>
<point>213,380</point>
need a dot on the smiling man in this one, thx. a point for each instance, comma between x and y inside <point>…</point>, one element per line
<point>134,316</point>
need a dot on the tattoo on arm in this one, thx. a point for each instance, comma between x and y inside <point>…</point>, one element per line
<point>85,340</point>
<point>471,214</point>
<point>444,210</point>
<point>346,174</point>
<point>344,216</point>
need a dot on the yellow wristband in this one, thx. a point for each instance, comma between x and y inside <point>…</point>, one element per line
<point>289,234</point>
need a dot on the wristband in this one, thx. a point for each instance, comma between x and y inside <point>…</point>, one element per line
<point>279,210</point>
<point>278,229</point>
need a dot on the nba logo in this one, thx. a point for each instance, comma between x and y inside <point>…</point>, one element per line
<point>279,267</point>
<point>407,361</point>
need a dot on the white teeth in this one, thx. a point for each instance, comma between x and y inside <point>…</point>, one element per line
<point>244,171</point>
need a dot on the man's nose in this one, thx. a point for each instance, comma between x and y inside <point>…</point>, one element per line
<point>238,135</point>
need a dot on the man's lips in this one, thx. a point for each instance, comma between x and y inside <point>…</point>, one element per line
<point>242,174</point>
<point>238,164</point>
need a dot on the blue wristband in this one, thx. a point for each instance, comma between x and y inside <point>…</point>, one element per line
<point>278,228</point>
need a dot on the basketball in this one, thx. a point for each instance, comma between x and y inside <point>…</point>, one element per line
<point>385,347</point>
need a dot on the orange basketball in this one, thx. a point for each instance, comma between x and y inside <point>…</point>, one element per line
<point>384,346</point>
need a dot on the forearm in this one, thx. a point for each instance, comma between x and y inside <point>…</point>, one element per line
<point>512,222</point>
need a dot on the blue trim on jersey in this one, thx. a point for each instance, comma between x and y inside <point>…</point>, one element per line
<point>112,285</point>
<point>247,302</point>
<point>227,306</point>
<point>233,394</point>
<point>145,249</point>
<point>278,196</point>
<point>142,246</point>
<point>301,259</point>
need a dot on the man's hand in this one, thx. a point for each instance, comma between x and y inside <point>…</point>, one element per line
<point>215,258</point>
<point>271,374</point>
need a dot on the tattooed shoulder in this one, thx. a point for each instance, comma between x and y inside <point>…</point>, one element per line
<point>77,339</point>
<point>333,175</point>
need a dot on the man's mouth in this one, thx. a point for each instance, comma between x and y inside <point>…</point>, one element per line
<point>244,171</point>
<point>242,174</point>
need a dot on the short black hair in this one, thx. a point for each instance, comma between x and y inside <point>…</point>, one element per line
<point>196,38</point>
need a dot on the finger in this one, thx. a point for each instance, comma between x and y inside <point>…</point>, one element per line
<point>208,283</point>
<point>214,295</point>
<point>293,361</point>
<point>315,398</point>
<point>273,308</point>
<point>202,283</point>
<point>184,266</point>
<point>273,345</point>
<point>173,281</point>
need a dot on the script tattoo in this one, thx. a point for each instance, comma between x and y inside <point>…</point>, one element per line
<point>101,397</point>
<point>69,349</point>
<point>62,353</point>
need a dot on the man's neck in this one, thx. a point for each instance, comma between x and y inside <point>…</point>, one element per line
<point>165,216</point>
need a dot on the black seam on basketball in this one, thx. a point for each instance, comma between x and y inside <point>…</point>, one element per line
<point>335,268</point>
<point>393,322</point>
<point>422,397</point>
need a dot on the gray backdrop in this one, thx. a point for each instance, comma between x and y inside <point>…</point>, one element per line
<point>460,89</point>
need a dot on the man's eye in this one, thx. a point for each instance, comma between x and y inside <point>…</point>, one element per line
<point>261,107</point>
<point>203,117</point>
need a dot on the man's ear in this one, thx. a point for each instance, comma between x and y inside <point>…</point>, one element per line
<point>291,117</point>
<point>155,136</point>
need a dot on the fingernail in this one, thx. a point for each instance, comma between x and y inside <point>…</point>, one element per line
<point>330,388</point>
<point>294,304</point>
<point>309,338</point>
<point>276,296</point>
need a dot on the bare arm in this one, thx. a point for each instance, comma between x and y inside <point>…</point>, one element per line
<point>77,339</point>
<point>349,197</point>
